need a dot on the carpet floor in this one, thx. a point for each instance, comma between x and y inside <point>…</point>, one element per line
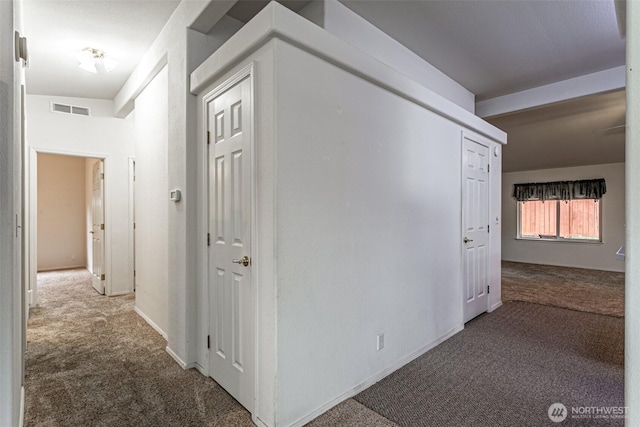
<point>92,361</point>
<point>593,291</point>
<point>506,368</point>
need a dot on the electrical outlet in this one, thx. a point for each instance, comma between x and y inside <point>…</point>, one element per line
<point>380,342</point>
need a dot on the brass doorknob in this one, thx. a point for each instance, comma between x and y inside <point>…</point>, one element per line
<point>467,240</point>
<point>245,260</point>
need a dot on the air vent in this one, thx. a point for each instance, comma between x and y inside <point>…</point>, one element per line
<point>81,111</point>
<point>70,109</point>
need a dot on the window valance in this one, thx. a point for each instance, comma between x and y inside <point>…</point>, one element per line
<point>560,190</point>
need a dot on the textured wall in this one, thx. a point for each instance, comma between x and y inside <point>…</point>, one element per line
<point>152,203</point>
<point>99,136</point>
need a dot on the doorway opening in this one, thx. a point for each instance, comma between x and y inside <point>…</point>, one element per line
<point>67,221</point>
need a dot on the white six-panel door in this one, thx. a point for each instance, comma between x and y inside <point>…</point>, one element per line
<point>97,227</point>
<point>475,227</point>
<point>230,269</point>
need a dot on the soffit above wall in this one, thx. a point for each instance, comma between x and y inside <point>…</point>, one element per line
<point>584,131</point>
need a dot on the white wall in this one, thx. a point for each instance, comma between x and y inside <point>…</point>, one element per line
<point>358,213</point>
<point>171,48</point>
<point>152,203</point>
<point>62,223</point>
<point>368,206</point>
<point>347,25</point>
<point>12,332</point>
<point>571,254</point>
<point>101,136</point>
<point>632,293</point>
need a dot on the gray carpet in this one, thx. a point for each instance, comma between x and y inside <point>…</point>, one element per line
<point>506,368</point>
<point>91,361</point>
<point>593,291</point>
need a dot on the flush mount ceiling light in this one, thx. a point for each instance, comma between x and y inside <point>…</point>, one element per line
<point>95,61</point>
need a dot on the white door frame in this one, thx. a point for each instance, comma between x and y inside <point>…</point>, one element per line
<point>204,308</point>
<point>480,141</point>
<point>132,223</point>
<point>32,214</point>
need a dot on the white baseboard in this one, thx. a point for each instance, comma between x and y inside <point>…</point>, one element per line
<point>200,369</point>
<point>377,377</point>
<point>258,422</point>
<point>177,358</point>
<point>150,322</point>
<point>496,305</point>
<point>116,294</point>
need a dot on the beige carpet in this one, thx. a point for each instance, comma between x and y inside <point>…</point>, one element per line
<point>591,291</point>
<point>92,361</point>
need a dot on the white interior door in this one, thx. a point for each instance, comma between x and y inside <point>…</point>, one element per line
<point>97,227</point>
<point>230,270</point>
<point>475,227</point>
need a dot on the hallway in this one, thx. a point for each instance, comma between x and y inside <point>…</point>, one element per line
<point>92,361</point>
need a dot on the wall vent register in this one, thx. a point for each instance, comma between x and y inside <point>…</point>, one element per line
<point>70,109</point>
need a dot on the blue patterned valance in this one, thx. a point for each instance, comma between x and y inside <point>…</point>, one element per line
<point>560,190</point>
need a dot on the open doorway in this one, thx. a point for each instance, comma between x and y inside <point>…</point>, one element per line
<point>68,203</point>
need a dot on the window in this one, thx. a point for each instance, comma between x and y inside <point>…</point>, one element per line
<point>577,219</point>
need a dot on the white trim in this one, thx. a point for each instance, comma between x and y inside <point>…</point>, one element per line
<point>152,324</point>
<point>132,231</point>
<point>495,306</point>
<point>276,21</point>
<point>32,210</point>
<point>199,368</point>
<point>177,358</point>
<point>32,214</point>
<point>182,363</point>
<point>378,376</point>
<point>120,293</point>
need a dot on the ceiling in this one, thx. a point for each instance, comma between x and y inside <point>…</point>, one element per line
<point>57,30</point>
<point>490,47</point>
<point>493,48</point>
<point>585,131</point>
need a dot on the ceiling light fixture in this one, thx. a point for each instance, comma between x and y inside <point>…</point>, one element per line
<point>95,61</point>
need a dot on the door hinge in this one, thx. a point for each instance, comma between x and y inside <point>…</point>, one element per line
<point>208,239</point>
<point>101,226</point>
<point>208,341</point>
<point>134,225</point>
<point>208,137</point>
<point>134,273</point>
<point>488,168</point>
<point>102,176</point>
<point>103,277</point>
<point>488,289</point>
<point>488,227</point>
